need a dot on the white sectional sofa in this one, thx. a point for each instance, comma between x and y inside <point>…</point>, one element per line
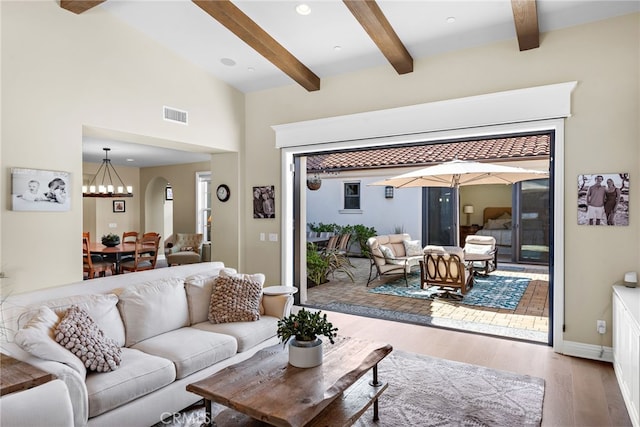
<point>159,320</point>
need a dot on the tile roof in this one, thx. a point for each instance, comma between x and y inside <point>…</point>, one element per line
<point>513,147</point>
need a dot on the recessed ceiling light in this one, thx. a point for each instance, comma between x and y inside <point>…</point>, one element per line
<point>303,9</point>
<point>251,69</point>
<point>228,62</point>
<point>337,48</point>
<point>451,20</point>
<point>130,160</point>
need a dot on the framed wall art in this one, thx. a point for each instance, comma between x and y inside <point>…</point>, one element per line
<point>603,199</point>
<point>40,190</point>
<point>118,206</point>
<point>264,202</point>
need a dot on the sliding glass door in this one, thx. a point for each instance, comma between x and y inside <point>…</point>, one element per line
<point>532,209</point>
<point>438,214</point>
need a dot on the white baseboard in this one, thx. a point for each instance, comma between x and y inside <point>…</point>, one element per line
<point>588,351</point>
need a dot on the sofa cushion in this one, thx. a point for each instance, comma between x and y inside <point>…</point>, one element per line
<point>139,374</point>
<point>78,333</point>
<point>235,299</point>
<point>36,338</point>
<point>190,349</point>
<point>152,308</point>
<point>101,307</point>
<point>247,334</point>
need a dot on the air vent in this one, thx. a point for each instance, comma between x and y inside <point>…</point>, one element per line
<point>174,115</point>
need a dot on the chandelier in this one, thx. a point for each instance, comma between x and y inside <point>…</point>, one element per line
<point>106,187</point>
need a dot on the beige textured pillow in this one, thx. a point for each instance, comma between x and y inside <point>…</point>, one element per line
<point>78,333</point>
<point>257,277</point>
<point>235,299</point>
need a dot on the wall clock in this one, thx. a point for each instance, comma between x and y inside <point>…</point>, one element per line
<point>223,193</point>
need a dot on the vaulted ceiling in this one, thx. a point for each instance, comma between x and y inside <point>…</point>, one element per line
<point>255,45</point>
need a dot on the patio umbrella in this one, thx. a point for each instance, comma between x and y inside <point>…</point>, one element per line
<point>457,173</point>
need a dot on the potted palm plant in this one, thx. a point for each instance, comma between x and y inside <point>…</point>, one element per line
<point>302,330</point>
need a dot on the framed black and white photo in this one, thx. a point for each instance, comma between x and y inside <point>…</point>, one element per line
<point>603,199</point>
<point>118,206</point>
<point>40,190</point>
<point>168,193</point>
<point>264,202</point>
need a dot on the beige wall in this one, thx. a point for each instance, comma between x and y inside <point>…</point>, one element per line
<point>65,74</point>
<point>183,181</point>
<point>601,136</point>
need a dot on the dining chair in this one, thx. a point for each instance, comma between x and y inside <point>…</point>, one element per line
<point>94,257</point>
<point>145,255</point>
<point>129,237</point>
<point>92,267</point>
<point>343,243</point>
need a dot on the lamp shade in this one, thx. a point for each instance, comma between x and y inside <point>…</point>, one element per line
<point>468,209</point>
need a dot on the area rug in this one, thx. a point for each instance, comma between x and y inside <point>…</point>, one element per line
<point>428,391</point>
<point>488,291</point>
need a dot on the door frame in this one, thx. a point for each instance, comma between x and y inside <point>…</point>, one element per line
<point>538,109</point>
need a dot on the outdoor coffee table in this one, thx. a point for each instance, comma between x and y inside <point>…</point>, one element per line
<point>267,389</point>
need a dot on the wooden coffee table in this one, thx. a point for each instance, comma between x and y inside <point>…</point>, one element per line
<point>265,388</point>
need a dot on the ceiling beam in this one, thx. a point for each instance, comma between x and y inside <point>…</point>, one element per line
<point>247,30</point>
<point>79,6</point>
<point>525,16</point>
<point>368,13</point>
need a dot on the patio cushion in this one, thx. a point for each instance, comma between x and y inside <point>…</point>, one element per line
<point>412,247</point>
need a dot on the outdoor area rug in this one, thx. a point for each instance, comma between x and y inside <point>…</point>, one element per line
<point>487,291</point>
<point>429,391</point>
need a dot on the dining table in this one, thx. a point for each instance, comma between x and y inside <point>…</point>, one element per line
<point>114,252</point>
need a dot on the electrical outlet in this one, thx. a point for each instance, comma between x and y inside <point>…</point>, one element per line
<point>601,326</point>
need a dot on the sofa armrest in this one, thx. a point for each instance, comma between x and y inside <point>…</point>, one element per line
<point>277,305</point>
<point>45,405</point>
<point>77,389</point>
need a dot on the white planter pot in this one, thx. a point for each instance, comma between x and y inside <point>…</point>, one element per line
<point>305,354</point>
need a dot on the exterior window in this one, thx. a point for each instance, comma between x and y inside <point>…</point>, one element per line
<point>352,195</point>
<point>203,204</point>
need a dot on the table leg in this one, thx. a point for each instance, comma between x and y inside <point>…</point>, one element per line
<point>375,383</point>
<point>208,420</point>
<point>118,259</point>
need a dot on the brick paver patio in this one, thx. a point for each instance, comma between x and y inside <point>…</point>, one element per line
<point>532,313</point>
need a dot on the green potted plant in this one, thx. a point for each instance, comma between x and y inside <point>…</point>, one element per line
<point>301,330</point>
<point>110,239</point>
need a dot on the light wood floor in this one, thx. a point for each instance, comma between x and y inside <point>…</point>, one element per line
<point>578,392</point>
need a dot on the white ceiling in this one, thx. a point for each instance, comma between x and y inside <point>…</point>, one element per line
<point>421,25</point>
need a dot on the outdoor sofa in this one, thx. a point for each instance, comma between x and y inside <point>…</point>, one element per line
<point>393,254</point>
<point>159,320</point>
